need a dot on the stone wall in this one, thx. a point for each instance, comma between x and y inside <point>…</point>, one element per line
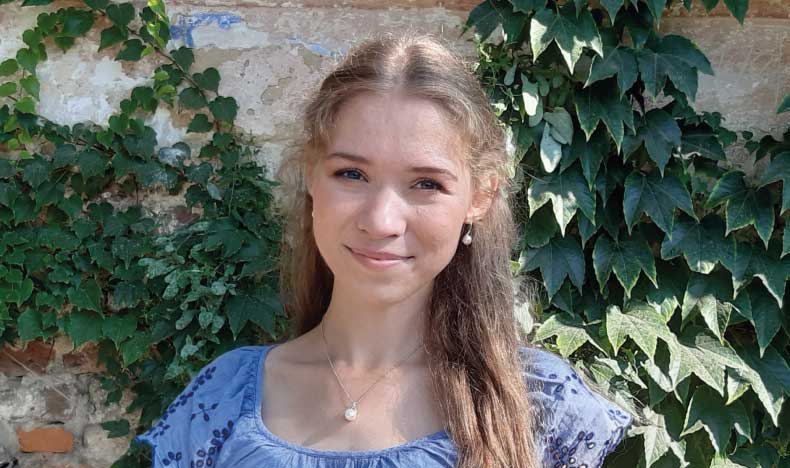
<point>271,54</point>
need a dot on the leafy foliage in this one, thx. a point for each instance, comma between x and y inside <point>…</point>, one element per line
<point>664,266</point>
<point>159,303</point>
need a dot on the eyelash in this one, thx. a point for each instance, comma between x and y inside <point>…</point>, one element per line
<point>438,186</point>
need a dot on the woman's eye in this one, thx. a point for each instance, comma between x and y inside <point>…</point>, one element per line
<point>354,174</point>
<point>424,184</point>
<point>431,184</point>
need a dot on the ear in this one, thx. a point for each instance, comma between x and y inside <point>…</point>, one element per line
<point>482,199</point>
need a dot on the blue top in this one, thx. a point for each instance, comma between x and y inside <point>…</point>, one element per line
<point>216,422</point>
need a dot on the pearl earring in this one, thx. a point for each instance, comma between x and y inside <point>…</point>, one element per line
<point>467,239</point>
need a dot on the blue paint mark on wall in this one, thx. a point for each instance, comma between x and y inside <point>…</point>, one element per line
<point>183,27</point>
<point>315,48</point>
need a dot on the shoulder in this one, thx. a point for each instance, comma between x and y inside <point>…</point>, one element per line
<point>205,413</point>
<point>577,426</point>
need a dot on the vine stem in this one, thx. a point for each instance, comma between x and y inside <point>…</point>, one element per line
<point>36,374</point>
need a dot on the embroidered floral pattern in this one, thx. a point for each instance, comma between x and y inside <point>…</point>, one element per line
<point>205,457</point>
<point>161,427</point>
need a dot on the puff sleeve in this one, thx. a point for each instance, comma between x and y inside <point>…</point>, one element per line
<point>195,425</point>
<point>577,427</point>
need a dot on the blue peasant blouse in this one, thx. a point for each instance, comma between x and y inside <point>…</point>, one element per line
<point>216,422</point>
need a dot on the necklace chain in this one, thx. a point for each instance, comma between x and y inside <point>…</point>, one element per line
<point>353,409</point>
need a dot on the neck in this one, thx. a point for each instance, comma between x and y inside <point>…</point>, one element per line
<point>369,334</point>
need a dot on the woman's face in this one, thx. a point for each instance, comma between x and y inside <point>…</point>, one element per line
<point>390,195</point>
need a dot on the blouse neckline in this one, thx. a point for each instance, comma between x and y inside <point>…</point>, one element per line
<point>259,374</point>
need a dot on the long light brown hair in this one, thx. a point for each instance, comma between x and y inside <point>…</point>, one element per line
<point>471,336</point>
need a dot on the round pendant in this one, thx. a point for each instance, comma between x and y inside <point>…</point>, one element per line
<point>351,413</point>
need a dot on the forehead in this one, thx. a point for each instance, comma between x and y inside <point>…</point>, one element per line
<point>396,128</point>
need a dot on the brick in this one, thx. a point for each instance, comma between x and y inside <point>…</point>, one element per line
<point>83,360</point>
<point>45,439</point>
<point>36,356</point>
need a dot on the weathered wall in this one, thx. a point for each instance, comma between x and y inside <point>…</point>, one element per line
<point>271,54</point>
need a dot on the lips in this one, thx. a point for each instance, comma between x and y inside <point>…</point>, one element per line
<point>377,255</point>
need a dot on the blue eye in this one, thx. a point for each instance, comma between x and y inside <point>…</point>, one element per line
<point>342,172</point>
<point>434,185</point>
<point>354,174</point>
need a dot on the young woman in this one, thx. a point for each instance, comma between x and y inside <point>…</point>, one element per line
<point>396,273</point>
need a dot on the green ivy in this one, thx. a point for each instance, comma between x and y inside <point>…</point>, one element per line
<point>664,265</point>
<point>159,305</point>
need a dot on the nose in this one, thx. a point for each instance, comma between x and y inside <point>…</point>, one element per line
<point>382,215</point>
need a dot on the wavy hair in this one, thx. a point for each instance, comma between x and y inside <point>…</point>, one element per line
<point>471,337</point>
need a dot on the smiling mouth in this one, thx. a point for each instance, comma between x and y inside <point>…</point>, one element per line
<point>377,262</point>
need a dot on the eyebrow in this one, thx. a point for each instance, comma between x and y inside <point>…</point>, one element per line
<point>418,169</point>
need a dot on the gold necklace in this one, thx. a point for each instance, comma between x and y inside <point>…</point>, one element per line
<point>352,411</point>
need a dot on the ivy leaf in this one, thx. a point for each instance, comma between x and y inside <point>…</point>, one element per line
<point>617,61</point>
<point>119,327</point>
<point>76,22</point>
<point>589,153</point>
<point>705,411</point>
<point>708,293</point>
<point>87,296</point>
<point>31,85</point>
<point>640,322</point>
<point>626,257</point>
<point>83,326</point>
<point>767,266</point>
<point>183,57</point>
<point>769,376</point>
<point>745,206</point>
<point>111,36</point>
<point>25,105</point>
<point>540,227</point>
<point>672,57</point>
<point>530,95</point>
<point>784,106</point>
<point>764,314</point>
<point>224,109</point>
<point>117,428</point>
<point>550,150</point>
<point>261,308</point>
<point>569,330</point>
<point>567,192</point>
<point>701,141</point>
<point>28,325</point>
<point>704,356</point>
<point>97,4</point>
<point>209,79</point>
<point>612,7</point>
<point>779,169</point>
<point>657,196</point>
<point>572,33</point>
<point>561,125</point>
<point>661,135</point>
<point>7,89</point>
<point>132,50</point>
<point>560,258</point>
<point>121,14</point>
<point>36,2</point>
<point>738,8</point>
<point>134,348</point>
<point>658,440</point>
<point>199,124</point>
<point>191,98</point>
<point>8,67</point>
<point>91,162</point>
<point>597,103</point>
<point>27,59</point>
<point>701,244</point>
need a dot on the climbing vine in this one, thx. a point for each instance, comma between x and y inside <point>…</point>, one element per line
<point>82,255</point>
<point>664,265</point>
